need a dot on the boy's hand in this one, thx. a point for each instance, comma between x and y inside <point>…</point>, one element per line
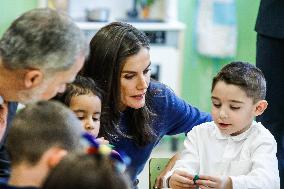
<point>217,182</point>
<point>181,180</point>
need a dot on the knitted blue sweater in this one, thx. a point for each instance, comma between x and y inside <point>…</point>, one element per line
<point>174,116</point>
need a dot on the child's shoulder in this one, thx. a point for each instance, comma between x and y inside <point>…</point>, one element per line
<point>202,131</point>
<point>204,127</point>
<point>261,132</point>
<point>261,135</point>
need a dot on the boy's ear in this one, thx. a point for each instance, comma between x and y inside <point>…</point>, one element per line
<point>55,156</point>
<point>33,78</point>
<point>260,107</point>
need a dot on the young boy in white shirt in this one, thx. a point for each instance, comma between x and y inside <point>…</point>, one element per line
<point>232,151</point>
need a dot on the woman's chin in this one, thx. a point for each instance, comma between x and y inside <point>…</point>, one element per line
<point>138,106</point>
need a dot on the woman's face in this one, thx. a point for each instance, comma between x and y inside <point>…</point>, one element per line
<point>134,80</point>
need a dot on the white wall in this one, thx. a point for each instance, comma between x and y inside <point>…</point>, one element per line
<point>118,8</point>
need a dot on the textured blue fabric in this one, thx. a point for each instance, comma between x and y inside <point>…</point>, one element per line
<point>174,116</point>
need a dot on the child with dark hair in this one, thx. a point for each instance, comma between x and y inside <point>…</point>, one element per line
<point>41,135</point>
<point>84,98</point>
<point>99,168</point>
<point>232,151</point>
<point>85,171</point>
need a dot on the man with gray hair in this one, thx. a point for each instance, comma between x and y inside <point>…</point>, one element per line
<point>40,52</point>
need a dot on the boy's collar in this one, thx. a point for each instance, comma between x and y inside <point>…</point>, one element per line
<point>239,137</point>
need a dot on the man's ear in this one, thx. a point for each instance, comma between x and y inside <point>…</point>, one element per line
<point>55,156</point>
<point>33,78</point>
<point>260,107</point>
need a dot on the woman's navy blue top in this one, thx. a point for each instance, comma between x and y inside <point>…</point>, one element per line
<point>173,116</point>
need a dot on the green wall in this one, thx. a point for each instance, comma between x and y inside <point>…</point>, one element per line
<point>11,9</point>
<point>198,71</point>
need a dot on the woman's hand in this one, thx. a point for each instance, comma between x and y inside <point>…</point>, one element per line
<point>181,180</point>
<point>217,182</point>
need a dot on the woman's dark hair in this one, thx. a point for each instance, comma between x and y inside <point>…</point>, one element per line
<point>109,49</point>
<point>81,86</point>
<point>84,171</point>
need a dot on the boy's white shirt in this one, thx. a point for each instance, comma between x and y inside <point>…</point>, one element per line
<point>249,158</point>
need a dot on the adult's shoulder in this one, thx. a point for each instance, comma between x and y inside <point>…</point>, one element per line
<point>160,95</point>
<point>270,18</point>
<point>173,114</point>
<point>158,89</point>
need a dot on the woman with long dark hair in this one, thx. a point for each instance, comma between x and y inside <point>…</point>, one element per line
<point>136,111</point>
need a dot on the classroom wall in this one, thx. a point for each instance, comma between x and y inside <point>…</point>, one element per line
<point>198,71</point>
<point>11,9</point>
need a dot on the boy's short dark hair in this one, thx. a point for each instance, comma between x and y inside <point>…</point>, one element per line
<point>81,86</point>
<point>40,126</point>
<point>85,171</point>
<point>248,77</point>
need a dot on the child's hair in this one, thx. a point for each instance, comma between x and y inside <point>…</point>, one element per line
<point>81,86</point>
<point>86,171</point>
<point>40,126</point>
<point>248,77</point>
